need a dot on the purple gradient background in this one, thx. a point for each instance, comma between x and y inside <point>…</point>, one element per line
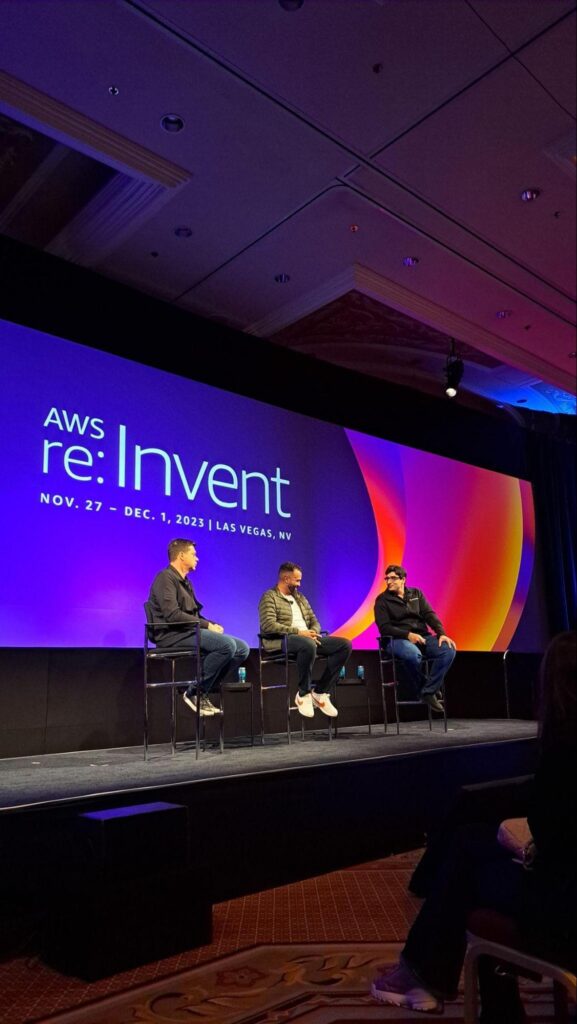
<point>89,572</point>
<point>78,578</point>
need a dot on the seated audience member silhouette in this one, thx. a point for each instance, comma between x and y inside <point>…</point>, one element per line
<point>173,600</point>
<point>404,614</point>
<point>283,609</point>
<point>541,897</point>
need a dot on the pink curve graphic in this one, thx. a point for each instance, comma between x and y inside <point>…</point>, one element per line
<point>388,504</point>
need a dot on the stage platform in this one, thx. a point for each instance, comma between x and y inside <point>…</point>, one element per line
<point>77,777</point>
<point>257,816</point>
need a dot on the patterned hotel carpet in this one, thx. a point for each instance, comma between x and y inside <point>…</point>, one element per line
<point>304,952</point>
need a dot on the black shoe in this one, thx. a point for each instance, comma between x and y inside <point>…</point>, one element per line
<point>206,708</point>
<point>433,702</point>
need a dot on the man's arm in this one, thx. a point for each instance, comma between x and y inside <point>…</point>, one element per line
<point>308,614</point>
<point>166,593</point>
<point>432,619</point>
<point>430,616</point>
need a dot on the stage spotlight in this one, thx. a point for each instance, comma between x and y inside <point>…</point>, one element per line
<point>453,373</point>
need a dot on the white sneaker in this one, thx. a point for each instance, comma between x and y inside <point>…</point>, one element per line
<point>399,987</point>
<point>323,702</point>
<point>305,705</point>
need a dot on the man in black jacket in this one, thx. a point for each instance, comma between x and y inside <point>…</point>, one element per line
<point>404,614</point>
<point>173,600</point>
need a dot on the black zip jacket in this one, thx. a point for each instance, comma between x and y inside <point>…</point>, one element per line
<point>398,616</point>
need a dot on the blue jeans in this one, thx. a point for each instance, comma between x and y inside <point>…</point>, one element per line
<point>221,653</point>
<point>411,657</point>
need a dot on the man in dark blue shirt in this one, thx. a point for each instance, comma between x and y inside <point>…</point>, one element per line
<point>404,614</point>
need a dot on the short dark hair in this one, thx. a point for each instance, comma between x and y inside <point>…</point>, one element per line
<point>177,546</point>
<point>288,567</point>
<point>399,569</point>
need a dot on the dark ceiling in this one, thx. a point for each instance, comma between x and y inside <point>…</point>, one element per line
<point>347,180</point>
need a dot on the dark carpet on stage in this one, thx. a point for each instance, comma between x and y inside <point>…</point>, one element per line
<point>49,778</point>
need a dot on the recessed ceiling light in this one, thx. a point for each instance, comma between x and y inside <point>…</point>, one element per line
<point>113,90</point>
<point>410,261</point>
<point>503,314</point>
<point>572,355</point>
<point>291,5</point>
<point>282,278</point>
<point>154,255</point>
<point>354,228</point>
<point>183,232</point>
<point>172,123</point>
<point>528,195</point>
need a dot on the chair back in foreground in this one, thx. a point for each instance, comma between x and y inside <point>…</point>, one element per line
<point>564,982</point>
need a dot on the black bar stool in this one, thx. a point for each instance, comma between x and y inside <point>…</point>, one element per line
<point>389,678</point>
<point>158,654</point>
<point>283,658</point>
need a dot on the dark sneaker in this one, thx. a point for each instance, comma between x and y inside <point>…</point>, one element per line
<point>432,700</point>
<point>399,987</point>
<point>190,701</point>
<point>208,708</point>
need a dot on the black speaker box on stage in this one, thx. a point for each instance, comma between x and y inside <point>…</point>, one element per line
<point>138,900</point>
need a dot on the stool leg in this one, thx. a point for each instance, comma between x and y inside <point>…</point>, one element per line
<point>369,709</point>
<point>288,702</point>
<point>383,697</point>
<point>173,709</point>
<point>221,724</point>
<point>426,667</point>
<point>261,705</point>
<point>145,722</point>
<point>385,712</point>
<point>197,722</point>
<point>252,715</point>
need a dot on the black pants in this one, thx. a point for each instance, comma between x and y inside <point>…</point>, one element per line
<point>487,802</point>
<point>337,651</point>
<point>476,872</point>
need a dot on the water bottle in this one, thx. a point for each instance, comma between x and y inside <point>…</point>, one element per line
<point>342,672</point>
<point>242,674</point>
<point>360,672</point>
